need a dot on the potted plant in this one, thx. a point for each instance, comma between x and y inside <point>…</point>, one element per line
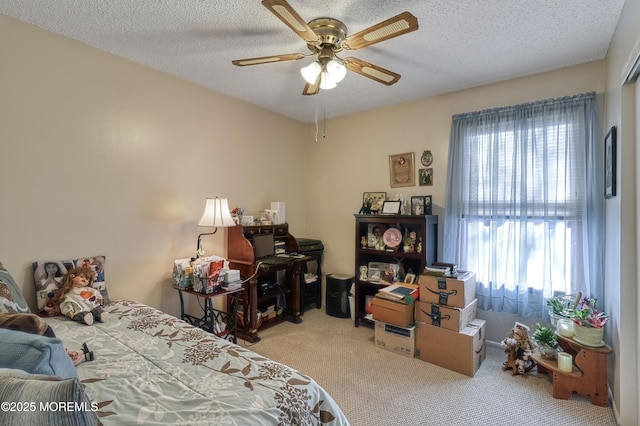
<point>547,341</point>
<point>409,240</point>
<point>588,322</point>
<point>559,307</point>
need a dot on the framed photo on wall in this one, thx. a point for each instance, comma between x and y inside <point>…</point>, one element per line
<point>610,163</point>
<point>401,170</point>
<point>426,176</point>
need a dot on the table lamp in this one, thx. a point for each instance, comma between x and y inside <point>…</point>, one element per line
<point>216,214</point>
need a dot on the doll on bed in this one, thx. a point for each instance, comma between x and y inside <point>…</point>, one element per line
<point>78,300</point>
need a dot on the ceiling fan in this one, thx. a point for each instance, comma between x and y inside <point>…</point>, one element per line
<point>325,38</point>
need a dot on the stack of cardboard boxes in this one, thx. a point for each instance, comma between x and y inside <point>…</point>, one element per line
<point>441,327</point>
<point>394,325</point>
<point>448,333</point>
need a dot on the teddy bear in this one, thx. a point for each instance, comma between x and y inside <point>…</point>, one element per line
<point>519,349</point>
<point>78,300</point>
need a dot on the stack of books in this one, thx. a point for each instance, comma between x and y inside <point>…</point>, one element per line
<point>279,247</point>
<point>441,269</point>
<point>437,271</point>
<point>233,285</point>
<point>231,280</point>
<point>400,292</point>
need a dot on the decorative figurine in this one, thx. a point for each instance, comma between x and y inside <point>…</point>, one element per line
<point>363,273</point>
<point>519,349</point>
<point>78,300</point>
<point>366,208</point>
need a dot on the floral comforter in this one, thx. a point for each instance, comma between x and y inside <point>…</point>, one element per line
<point>152,368</point>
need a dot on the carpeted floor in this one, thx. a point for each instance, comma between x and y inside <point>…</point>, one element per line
<point>375,387</point>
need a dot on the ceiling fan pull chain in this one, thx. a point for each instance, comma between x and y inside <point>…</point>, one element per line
<point>324,117</point>
<point>316,120</point>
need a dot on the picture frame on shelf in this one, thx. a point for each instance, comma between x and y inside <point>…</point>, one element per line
<point>373,201</point>
<point>417,205</point>
<point>428,204</point>
<point>391,207</point>
<point>409,278</point>
<point>390,274</point>
<point>610,163</point>
<point>375,232</point>
<point>375,271</point>
<point>401,170</point>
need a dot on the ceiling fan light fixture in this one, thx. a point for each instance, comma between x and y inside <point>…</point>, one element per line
<point>336,70</point>
<point>332,73</point>
<point>310,72</point>
<point>326,81</point>
<point>326,37</point>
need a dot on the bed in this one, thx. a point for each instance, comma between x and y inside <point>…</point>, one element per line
<point>152,368</point>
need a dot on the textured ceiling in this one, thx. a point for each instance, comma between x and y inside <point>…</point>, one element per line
<point>459,44</point>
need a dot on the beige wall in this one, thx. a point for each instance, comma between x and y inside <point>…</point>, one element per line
<point>621,249</point>
<point>102,156</point>
<point>356,145</point>
<point>354,157</point>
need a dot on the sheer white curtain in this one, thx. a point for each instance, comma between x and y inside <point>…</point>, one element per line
<point>524,202</point>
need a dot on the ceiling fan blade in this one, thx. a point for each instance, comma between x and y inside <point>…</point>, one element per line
<point>392,27</point>
<point>268,59</point>
<point>290,17</point>
<point>312,89</point>
<point>374,72</point>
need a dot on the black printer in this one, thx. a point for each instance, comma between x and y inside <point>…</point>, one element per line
<point>308,245</point>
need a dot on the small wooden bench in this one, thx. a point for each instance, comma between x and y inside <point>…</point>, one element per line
<point>589,374</point>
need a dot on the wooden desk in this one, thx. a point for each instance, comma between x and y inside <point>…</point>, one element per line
<point>211,316</point>
<point>241,256</point>
<point>589,375</point>
<point>293,271</point>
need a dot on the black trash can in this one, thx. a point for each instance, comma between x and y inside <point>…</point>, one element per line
<point>337,295</point>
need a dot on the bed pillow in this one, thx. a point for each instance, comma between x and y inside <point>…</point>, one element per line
<point>35,354</point>
<point>49,396</point>
<point>48,276</point>
<point>11,299</point>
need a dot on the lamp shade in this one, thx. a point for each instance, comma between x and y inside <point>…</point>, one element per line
<point>216,213</point>
<point>326,82</point>
<point>310,72</point>
<point>336,70</point>
<point>332,73</point>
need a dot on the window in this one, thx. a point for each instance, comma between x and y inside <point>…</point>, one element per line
<point>520,182</point>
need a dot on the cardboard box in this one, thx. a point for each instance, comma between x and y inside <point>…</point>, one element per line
<point>449,291</point>
<point>391,312</point>
<point>399,340</point>
<point>461,351</point>
<point>449,317</point>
